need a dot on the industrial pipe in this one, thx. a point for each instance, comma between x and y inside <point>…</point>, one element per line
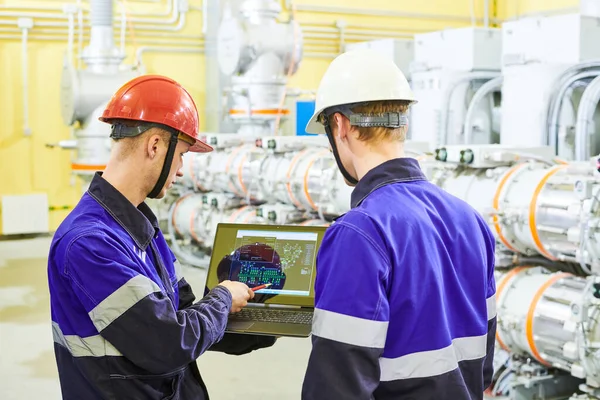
<point>42,12</point>
<point>149,41</point>
<point>25,72</point>
<point>484,90</point>
<point>554,121</point>
<point>11,28</point>
<point>101,13</point>
<point>61,34</point>
<point>561,85</point>
<point>448,95</point>
<point>382,13</point>
<point>585,115</point>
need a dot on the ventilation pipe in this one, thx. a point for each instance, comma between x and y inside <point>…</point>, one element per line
<point>102,54</point>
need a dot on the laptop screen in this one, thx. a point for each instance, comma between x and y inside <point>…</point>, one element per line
<point>283,256</point>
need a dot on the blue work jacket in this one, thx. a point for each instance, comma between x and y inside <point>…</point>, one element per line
<point>405,295</point>
<point>124,320</point>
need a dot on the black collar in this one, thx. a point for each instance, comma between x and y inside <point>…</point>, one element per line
<point>392,171</point>
<point>140,222</point>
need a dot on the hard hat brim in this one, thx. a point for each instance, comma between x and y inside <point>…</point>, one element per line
<point>313,126</point>
<point>200,147</point>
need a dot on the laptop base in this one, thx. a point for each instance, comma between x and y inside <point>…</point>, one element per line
<point>268,328</point>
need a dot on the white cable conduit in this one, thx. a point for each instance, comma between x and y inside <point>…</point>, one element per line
<point>381,13</point>
<point>308,23</point>
<point>62,34</point>
<point>43,13</point>
<point>562,84</point>
<point>151,28</point>
<point>485,89</point>
<point>557,103</point>
<point>333,33</point>
<point>64,24</point>
<point>559,84</point>
<point>200,49</point>
<point>80,35</point>
<point>448,95</point>
<point>52,39</point>
<point>314,40</point>
<point>386,34</point>
<point>585,119</point>
<point>25,72</point>
<point>59,8</point>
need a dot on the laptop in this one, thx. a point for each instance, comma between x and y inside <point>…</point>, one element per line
<point>283,257</point>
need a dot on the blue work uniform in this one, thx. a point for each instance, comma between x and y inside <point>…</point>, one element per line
<point>124,320</point>
<point>405,295</point>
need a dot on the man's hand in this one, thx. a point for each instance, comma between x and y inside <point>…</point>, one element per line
<point>240,294</point>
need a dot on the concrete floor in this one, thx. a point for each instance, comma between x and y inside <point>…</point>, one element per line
<point>27,365</point>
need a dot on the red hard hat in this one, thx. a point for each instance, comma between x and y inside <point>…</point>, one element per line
<point>157,99</point>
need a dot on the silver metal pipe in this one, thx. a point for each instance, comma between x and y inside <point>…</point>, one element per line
<point>448,95</point>
<point>585,117</point>
<point>101,12</point>
<point>484,90</point>
<point>561,85</point>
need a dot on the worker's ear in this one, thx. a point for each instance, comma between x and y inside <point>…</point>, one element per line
<point>342,125</point>
<point>153,145</point>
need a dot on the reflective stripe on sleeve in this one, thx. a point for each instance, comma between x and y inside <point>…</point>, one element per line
<point>178,270</point>
<point>350,330</point>
<point>122,300</point>
<point>91,346</point>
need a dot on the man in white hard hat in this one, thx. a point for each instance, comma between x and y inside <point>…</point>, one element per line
<point>405,290</point>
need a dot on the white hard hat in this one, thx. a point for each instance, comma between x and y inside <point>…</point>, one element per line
<point>359,76</point>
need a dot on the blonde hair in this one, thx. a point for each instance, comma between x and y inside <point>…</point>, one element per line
<point>379,133</point>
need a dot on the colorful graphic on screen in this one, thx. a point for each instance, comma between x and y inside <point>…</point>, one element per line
<point>283,259</point>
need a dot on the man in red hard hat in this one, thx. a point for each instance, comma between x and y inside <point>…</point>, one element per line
<point>124,320</point>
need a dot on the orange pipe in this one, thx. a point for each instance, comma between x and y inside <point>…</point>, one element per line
<point>496,205</point>
<point>228,166</point>
<point>533,208</point>
<point>310,164</point>
<point>531,316</point>
<point>177,204</point>
<point>288,184</point>
<point>87,167</point>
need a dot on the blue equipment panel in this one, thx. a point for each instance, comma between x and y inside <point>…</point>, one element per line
<point>304,111</point>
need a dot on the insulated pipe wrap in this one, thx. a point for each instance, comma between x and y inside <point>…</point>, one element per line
<point>101,12</point>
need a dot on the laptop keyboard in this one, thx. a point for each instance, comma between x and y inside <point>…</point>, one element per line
<point>270,315</point>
